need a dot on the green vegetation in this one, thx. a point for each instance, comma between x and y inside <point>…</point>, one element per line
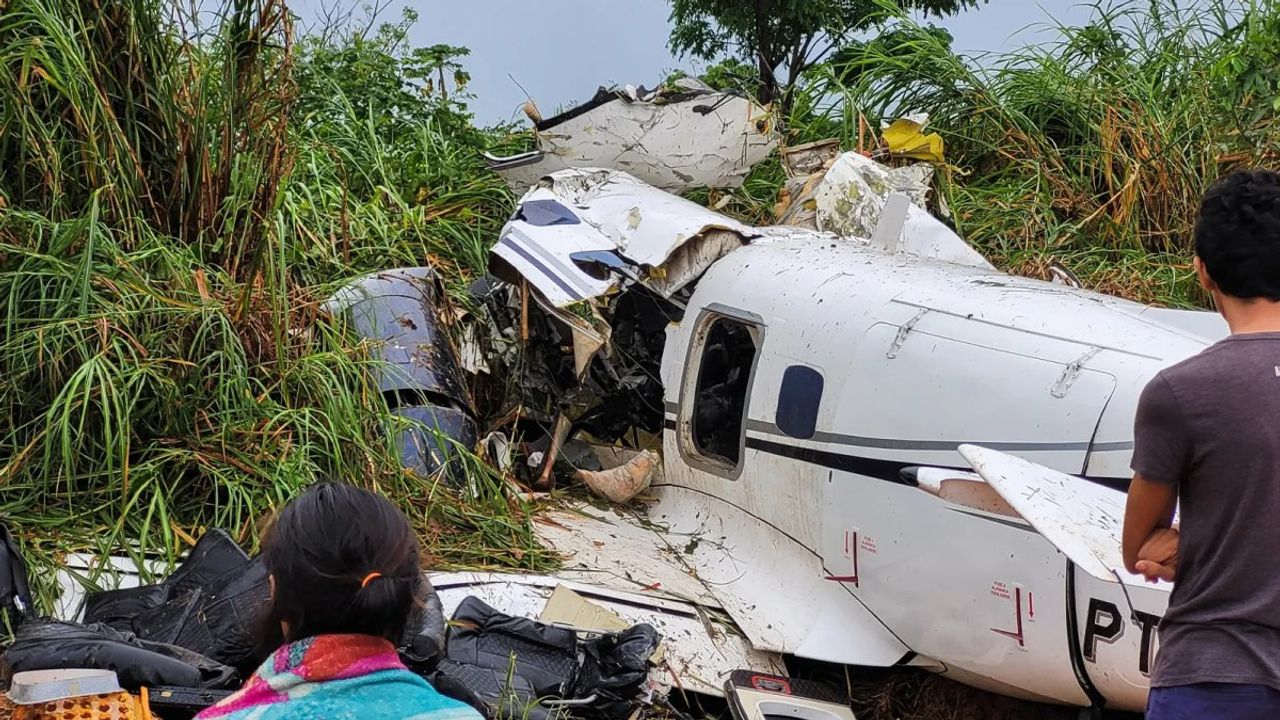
<point>177,200</point>
<point>777,35</point>
<point>179,194</point>
<point>1092,150</point>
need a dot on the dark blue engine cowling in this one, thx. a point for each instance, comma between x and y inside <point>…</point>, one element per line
<point>419,376</point>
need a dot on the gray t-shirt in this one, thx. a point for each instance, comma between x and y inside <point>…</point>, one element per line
<point>1211,425</point>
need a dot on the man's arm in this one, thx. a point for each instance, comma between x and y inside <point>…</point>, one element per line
<point>1147,543</point>
<point>1161,460</point>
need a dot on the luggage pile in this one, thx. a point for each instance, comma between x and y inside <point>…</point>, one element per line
<point>182,644</point>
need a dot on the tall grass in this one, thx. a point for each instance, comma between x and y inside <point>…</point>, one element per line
<point>1091,150</point>
<point>169,228</point>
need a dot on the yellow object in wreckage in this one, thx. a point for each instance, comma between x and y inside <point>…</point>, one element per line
<point>905,138</point>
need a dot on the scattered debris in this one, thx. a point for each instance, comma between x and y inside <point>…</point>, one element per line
<point>678,137</point>
<point>753,696</point>
<point>623,483</point>
<point>71,694</point>
<point>905,138</point>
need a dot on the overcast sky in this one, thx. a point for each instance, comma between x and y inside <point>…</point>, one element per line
<point>560,51</point>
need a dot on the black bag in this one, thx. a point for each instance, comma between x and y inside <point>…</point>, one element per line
<point>504,666</point>
<point>219,620</point>
<point>615,669</point>
<point>422,644</point>
<point>51,645</point>
<point>507,667</point>
<point>15,596</point>
<point>544,655</point>
<point>210,605</point>
<point>495,694</point>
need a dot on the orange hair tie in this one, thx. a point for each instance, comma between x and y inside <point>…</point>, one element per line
<point>369,578</point>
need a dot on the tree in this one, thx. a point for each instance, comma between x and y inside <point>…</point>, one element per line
<point>377,76</point>
<point>777,34</point>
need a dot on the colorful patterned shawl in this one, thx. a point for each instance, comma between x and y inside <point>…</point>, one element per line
<point>337,677</point>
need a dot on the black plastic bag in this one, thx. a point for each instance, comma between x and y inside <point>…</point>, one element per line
<point>614,670</point>
<point>15,596</point>
<point>49,645</point>
<point>210,605</point>
<point>223,618</point>
<point>422,644</point>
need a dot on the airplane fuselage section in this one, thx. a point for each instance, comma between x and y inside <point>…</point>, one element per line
<point>805,405</point>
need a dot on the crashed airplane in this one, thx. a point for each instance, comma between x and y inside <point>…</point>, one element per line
<point>877,450</point>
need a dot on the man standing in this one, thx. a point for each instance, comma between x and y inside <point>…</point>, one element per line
<point>1207,435</point>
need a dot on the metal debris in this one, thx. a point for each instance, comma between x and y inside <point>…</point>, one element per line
<point>676,138</point>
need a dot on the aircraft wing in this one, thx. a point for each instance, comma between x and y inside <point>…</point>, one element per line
<point>1082,519</point>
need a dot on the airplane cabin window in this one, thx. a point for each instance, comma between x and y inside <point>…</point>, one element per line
<point>720,404</point>
<point>798,401</point>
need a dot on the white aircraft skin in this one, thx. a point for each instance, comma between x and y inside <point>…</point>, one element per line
<point>916,358</point>
<point>848,527</point>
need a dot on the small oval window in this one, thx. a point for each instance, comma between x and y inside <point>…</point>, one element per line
<point>798,401</point>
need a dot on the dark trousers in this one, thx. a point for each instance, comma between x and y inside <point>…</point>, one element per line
<point>1214,701</point>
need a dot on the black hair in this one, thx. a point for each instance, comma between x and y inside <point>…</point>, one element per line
<point>344,560</point>
<point>1238,234</point>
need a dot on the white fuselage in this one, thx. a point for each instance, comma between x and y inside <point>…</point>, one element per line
<point>862,364</point>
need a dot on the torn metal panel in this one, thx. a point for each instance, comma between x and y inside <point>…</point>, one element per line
<point>675,139</point>
<point>644,223</point>
<point>397,309</point>
<point>853,193</point>
<point>612,549</point>
<point>906,228</point>
<point>433,438</point>
<point>419,374</point>
<point>624,227</point>
<point>691,259</point>
<point>621,229</point>
<point>854,199</point>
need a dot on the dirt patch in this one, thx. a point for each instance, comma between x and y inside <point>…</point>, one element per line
<point>918,695</point>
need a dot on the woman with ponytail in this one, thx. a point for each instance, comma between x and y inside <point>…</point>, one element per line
<point>345,576</point>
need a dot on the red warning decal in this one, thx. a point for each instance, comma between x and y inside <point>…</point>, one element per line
<point>850,552</point>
